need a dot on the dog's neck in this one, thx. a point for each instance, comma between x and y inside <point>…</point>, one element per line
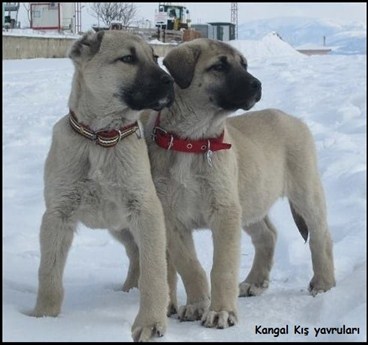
<point>188,120</point>
<point>89,109</point>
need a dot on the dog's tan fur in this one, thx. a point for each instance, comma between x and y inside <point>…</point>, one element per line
<point>107,187</point>
<point>272,156</point>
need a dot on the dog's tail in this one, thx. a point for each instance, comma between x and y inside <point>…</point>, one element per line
<point>300,222</point>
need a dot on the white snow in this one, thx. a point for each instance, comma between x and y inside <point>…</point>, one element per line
<point>40,33</point>
<point>327,92</point>
<point>270,45</point>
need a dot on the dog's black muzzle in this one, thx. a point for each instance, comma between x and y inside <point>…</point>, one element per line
<point>241,91</point>
<point>256,85</point>
<point>150,91</point>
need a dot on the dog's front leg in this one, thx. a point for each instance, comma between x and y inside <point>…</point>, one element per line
<point>182,252</point>
<point>226,228</point>
<point>55,239</point>
<point>148,228</point>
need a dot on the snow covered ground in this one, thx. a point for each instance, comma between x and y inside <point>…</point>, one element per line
<point>327,92</point>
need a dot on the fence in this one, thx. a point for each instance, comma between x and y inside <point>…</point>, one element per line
<point>22,47</point>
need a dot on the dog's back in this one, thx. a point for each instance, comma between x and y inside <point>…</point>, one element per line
<point>275,151</point>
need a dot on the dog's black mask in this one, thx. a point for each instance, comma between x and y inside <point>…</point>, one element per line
<point>152,89</point>
<point>240,90</point>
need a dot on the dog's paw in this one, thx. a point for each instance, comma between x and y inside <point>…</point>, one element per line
<point>247,289</point>
<point>43,311</point>
<point>221,319</point>
<point>193,312</point>
<point>172,309</point>
<point>319,286</point>
<point>145,333</point>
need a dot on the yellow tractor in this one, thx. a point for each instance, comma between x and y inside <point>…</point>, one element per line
<point>172,17</point>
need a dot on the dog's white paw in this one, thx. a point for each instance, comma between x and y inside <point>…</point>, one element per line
<point>48,304</point>
<point>145,333</point>
<point>193,312</point>
<point>172,309</point>
<point>247,289</point>
<point>43,311</point>
<point>319,286</point>
<point>221,319</point>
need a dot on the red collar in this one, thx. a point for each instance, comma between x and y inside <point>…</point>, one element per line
<point>172,142</point>
<point>105,138</point>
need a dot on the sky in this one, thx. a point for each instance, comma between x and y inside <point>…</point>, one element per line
<point>327,92</point>
<point>201,12</point>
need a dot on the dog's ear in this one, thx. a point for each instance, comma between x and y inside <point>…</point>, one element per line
<point>86,47</point>
<point>181,62</point>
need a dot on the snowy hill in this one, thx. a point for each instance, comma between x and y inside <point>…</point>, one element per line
<point>344,38</point>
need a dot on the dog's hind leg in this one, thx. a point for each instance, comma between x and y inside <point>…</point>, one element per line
<point>172,280</point>
<point>55,239</point>
<point>126,238</point>
<point>263,236</point>
<point>309,205</point>
<point>307,200</point>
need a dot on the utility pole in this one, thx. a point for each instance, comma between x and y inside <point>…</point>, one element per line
<point>234,17</point>
<point>78,18</point>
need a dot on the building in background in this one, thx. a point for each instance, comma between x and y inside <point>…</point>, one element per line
<point>10,15</point>
<point>221,31</point>
<point>205,30</point>
<point>61,16</point>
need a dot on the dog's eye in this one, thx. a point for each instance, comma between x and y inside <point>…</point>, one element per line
<point>244,65</point>
<point>127,59</point>
<point>155,57</point>
<point>220,67</point>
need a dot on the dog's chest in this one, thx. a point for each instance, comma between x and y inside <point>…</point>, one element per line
<point>102,207</point>
<point>183,190</point>
<point>107,189</point>
<point>189,203</point>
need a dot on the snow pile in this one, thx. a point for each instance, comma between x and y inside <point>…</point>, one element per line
<point>270,46</point>
<point>327,92</point>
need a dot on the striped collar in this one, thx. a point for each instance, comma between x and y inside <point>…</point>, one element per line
<point>103,137</point>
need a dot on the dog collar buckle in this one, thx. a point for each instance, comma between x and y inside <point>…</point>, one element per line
<point>154,132</point>
<point>140,132</point>
<point>170,141</point>
<point>209,154</point>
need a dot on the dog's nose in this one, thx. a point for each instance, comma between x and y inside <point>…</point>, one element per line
<point>256,84</point>
<point>166,79</point>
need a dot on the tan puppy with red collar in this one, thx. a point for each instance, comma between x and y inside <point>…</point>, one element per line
<point>224,174</point>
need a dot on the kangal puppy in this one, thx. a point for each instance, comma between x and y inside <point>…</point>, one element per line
<point>224,174</point>
<point>98,172</point>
